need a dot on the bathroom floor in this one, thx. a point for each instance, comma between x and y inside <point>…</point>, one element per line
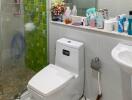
<point>13,80</point>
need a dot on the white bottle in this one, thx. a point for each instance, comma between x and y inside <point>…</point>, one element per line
<point>67,12</point>
<point>74,11</point>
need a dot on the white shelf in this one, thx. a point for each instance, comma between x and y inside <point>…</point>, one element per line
<point>124,34</point>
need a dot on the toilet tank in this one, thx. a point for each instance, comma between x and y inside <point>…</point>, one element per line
<point>70,55</point>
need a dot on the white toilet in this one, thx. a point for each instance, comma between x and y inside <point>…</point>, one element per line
<point>65,79</point>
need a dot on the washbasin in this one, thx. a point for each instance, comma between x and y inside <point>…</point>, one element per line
<point>122,54</point>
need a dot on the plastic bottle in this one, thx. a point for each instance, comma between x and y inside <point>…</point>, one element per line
<point>67,12</point>
<point>74,11</point>
<point>67,16</point>
<point>120,25</point>
<point>130,23</point>
<point>100,20</point>
<point>92,22</point>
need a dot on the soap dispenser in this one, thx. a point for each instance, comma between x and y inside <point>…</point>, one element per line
<point>130,23</point>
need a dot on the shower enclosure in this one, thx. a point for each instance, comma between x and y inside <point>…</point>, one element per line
<point>22,53</point>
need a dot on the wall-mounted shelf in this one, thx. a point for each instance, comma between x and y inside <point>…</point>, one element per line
<point>102,31</point>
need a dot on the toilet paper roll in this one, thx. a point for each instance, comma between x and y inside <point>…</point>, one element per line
<point>108,25</point>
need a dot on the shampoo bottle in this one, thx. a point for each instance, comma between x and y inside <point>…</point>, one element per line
<point>130,23</point>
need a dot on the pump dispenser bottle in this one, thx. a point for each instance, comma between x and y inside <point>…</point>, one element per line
<point>130,23</point>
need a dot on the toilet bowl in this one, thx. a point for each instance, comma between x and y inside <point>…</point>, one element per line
<point>65,79</point>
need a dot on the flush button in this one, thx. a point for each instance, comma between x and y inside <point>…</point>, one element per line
<point>66,52</point>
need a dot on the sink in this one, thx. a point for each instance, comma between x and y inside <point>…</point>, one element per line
<point>122,54</point>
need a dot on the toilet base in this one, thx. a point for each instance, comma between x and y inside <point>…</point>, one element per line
<point>26,96</point>
<point>72,91</point>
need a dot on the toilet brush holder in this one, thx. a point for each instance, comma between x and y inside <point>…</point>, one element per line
<point>96,65</point>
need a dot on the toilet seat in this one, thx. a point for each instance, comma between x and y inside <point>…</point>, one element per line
<point>50,79</point>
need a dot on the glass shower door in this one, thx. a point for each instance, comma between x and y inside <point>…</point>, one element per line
<point>14,74</point>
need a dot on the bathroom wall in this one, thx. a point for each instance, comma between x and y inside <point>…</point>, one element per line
<point>116,7</point>
<point>96,45</point>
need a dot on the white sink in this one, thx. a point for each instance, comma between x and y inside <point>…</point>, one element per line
<point>122,54</point>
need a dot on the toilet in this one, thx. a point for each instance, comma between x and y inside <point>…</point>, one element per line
<point>65,79</point>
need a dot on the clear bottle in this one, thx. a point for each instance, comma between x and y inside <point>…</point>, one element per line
<point>74,11</point>
<point>67,12</point>
<point>130,23</point>
<point>67,16</point>
<point>100,20</point>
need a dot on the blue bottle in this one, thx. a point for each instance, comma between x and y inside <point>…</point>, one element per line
<point>130,23</point>
<point>120,25</point>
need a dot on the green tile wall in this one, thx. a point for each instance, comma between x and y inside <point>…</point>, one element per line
<point>36,41</point>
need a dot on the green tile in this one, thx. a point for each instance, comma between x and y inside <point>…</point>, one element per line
<point>36,41</point>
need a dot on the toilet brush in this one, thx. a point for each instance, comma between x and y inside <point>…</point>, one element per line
<point>99,87</point>
<point>96,65</point>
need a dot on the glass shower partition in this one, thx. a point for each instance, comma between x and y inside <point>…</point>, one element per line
<point>22,53</point>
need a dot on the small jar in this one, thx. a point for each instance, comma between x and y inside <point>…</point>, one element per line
<point>68,20</point>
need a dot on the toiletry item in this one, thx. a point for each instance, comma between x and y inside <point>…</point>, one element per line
<point>108,25</point>
<point>67,16</point>
<point>84,21</point>
<point>92,21</point>
<point>124,16</point>
<point>100,20</point>
<point>120,25</point>
<point>106,13</point>
<point>121,20</point>
<point>130,23</point>
<point>67,12</point>
<point>126,26</point>
<point>115,25</point>
<point>68,20</point>
<point>89,12</point>
<point>74,11</point>
<point>76,19</point>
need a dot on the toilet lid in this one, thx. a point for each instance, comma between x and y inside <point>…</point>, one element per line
<point>50,79</point>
